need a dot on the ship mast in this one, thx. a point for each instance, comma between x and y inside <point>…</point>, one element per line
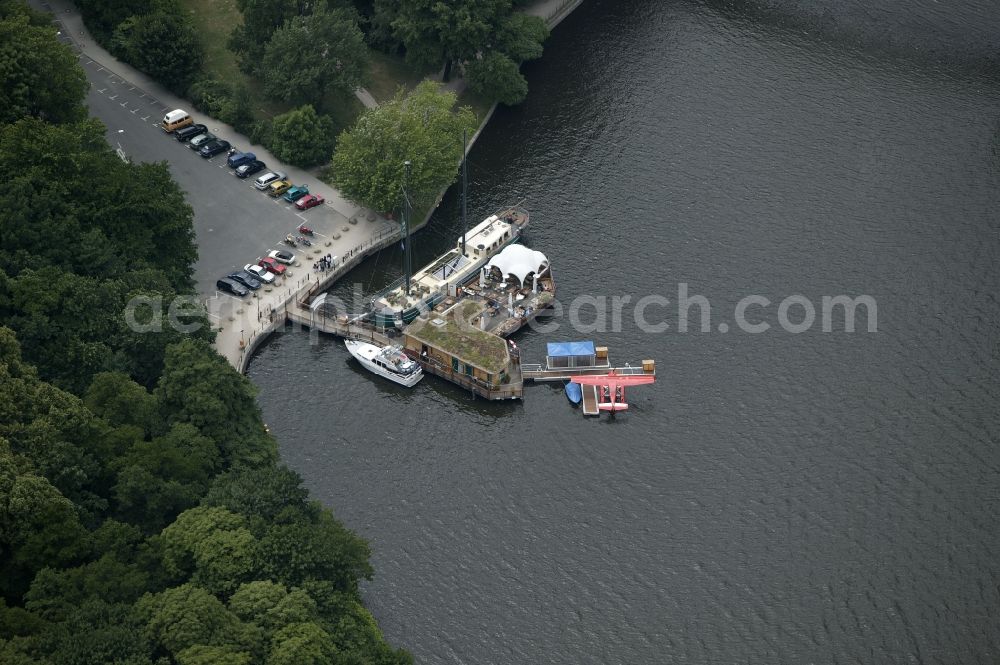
<point>407,263</point>
<point>465,178</point>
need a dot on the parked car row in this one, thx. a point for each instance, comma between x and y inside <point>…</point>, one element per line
<point>241,282</point>
<point>266,270</point>
<point>244,164</point>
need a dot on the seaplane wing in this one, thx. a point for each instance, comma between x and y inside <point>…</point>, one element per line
<point>614,380</point>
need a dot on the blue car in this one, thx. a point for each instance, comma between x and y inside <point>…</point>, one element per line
<point>296,193</point>
<point>244,278</point>
<point>238,159</point>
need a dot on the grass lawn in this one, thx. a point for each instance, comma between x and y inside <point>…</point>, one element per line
<point>215,20</point>
<point>388,72</point>
<point>459,338</point>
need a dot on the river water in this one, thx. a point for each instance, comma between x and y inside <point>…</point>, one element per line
<point>822,497</point>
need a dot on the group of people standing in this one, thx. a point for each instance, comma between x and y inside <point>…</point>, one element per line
<point>325,263</point>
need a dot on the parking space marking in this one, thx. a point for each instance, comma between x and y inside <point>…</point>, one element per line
<point>134,110</point>
<point>123,104</point>
<point>112,97</point>
<point>132,88</point>
<point>145,119</point>
<point>100,69</point>
<point>102,90</point>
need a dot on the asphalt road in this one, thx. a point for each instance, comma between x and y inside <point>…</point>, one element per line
<point>235,223</point>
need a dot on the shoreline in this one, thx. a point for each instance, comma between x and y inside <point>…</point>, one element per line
<point>552,12</point>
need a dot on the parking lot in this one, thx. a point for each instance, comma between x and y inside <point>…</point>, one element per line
<point>235,223</point>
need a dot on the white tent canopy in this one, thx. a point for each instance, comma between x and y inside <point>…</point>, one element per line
<point>519,261</point>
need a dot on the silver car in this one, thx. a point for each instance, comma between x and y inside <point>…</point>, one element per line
<point>201,140</point>
<point>259,273</point>
<point>262,182</point>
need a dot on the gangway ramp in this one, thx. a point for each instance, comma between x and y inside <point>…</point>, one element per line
<point>590,401</point>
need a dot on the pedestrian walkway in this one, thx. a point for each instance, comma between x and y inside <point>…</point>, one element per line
<point>365,98</point>
<point>552,11</point>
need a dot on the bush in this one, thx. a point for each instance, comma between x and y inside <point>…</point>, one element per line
<point>260,133</point>
<point>210,95</point>
<point>302,137</point>
<point>163,45</point>
<point>232,105</point>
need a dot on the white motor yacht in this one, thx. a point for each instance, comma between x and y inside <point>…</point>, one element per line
<point>388,361</point>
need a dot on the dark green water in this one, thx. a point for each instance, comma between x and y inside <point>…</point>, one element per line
<point>776,497</point>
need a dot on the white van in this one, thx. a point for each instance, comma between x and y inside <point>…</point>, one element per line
<point>176,119</point>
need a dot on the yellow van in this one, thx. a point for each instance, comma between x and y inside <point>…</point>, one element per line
<point>176,119</point>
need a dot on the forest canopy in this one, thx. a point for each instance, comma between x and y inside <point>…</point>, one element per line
<point>144,516</point>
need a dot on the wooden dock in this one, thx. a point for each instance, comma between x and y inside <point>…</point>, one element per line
<point>333,326</point>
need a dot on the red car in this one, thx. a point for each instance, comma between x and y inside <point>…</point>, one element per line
<point>309,201</point>
<point>272,265</point>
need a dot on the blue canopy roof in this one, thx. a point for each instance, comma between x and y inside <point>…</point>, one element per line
<point>566,349</point>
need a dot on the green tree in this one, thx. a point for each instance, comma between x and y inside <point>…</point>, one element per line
<point>213,545</point>
<point>199,387</point>
<point>163,45</point>
<point>312,55</point>
<point>56,593</point>
<point>423,128</point>
<point>260,19</point>
<point>263,495</point>
<point>161,478</point>
<point>206,655</point>
<point>497,77</point>
<point>39,77</point>
<point>38,525</point>
<point>111,218</point>
<point>301,644</point>
<point>520,37</point>
<point>302,137</point>
<point>96,633</point>
<point>436,33</point>
<point>119,400</point>
<point>322,550</point>
<point>102,16</point>
<point>187,616</point>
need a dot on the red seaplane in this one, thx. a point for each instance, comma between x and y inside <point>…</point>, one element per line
<point>611,388</point>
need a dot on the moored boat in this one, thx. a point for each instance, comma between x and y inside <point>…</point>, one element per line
<point>389,362</point>
<point>439,279</point>
<point>573,392</point>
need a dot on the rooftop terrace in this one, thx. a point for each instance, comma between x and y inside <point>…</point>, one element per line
<point>452,332</point>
